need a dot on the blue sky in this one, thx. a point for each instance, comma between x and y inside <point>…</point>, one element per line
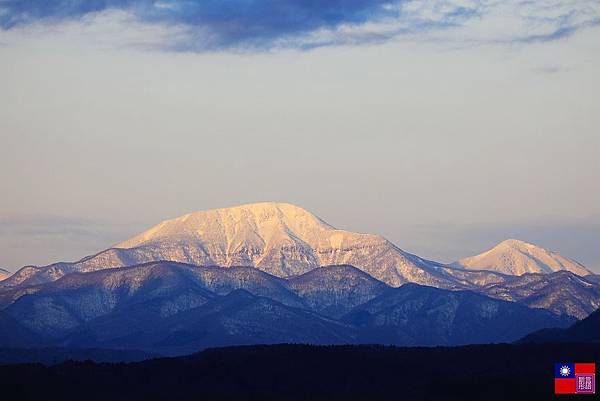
<point>225,23</point>
<point>446,126</point>
<point>264,24</point>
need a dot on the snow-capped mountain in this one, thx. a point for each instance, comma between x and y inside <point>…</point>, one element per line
<point>278,238</point>
<point>273,272</point>
<point>518,257</point>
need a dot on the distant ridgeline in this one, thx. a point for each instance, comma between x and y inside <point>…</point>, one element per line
<point>274,273</point>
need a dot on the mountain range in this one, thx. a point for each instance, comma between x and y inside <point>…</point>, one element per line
<point>172,308</point>
<point>273,272</point>
<point>285,240</point>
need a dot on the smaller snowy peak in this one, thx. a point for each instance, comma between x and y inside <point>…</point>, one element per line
<point>517,257</point>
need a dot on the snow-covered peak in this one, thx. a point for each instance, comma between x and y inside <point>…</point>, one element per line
<point>519,257</point>
<point>511,242</point>
<point>256,226</point>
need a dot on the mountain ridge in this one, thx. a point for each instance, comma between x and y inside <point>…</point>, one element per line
<point>174,308</point>
<point>426,316</point>
<point>583,331</point>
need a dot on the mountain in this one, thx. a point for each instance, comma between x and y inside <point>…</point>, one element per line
<point>518,257</point>
<point>158,290</point>
<point>55,309</point>
<point>420,315</point>
<point>145,307</point>
<point>473,279</point>
<point>277,238</point>
<point>4,274</point>
<point>593,278</point>
<point>334,290</point>
<point>172,308</point>
<point>583,331</point>
<point>15,335</point>
<point>561,292</point>
<point>234,319</point>
<point>133,283</point>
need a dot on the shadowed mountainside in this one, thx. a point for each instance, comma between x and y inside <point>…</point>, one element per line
<point>583,331</point>
<point>175,309</point>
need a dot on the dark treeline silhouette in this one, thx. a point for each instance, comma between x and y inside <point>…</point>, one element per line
<point>311,373</point>
<point>55,355</point>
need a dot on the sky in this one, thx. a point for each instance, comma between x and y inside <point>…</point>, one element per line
<point>446,126</point>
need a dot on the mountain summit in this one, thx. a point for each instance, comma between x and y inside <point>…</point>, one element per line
<point>278,238</point>
<point>518,257</point>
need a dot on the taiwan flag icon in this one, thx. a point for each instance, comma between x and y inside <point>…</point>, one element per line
<point>574,378</point>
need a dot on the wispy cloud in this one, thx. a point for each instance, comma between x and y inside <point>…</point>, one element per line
<point>201,25</point>
<point>53,226</point>
<point>43,239</point>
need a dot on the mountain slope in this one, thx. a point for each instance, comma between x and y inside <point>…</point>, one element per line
<point>517,257</point>
<point>473,279</point>
<point>335,290</point>
<point>4,274</point>
<point>146,307</point>
<point>561,292</point>
<point>15,335</point>
<point>277,238</point>
<point>234,319</point>
<point>419,315</point>
<point>56,308</point>
<point>583,331</point>
<point>158,290</point>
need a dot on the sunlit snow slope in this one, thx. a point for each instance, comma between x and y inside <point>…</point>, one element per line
<point>517,258</point>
